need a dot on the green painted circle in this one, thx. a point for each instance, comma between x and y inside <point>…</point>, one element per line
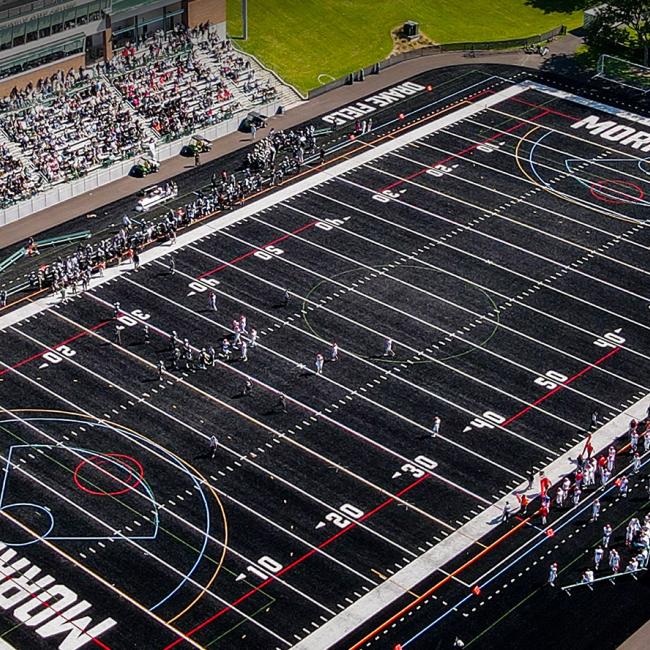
<point>394,361</point>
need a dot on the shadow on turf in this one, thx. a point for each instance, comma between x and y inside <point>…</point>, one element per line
<point>559,6</point>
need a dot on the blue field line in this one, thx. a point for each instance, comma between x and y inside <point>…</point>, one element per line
<point>149,494</point>
<point>585,506</point>
<point>548,186</point>
<point>175,461</point>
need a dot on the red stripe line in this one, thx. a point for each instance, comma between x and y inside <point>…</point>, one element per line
<point>221,267</point>
<point>550,110</point>
<point>53,347</point>
<point>298,561</point>
<point>381,506</point>
<point>463,152</point>
<point>390,500</point>
<point>561,386</point>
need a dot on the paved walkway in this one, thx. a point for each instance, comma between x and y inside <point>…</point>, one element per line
<point>640,640</point>
<point>302,112</point>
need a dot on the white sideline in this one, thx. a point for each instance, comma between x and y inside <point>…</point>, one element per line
<point>283,194</point>
<point>407,578</point>
<point>590,103</point>
<point>460,540</point>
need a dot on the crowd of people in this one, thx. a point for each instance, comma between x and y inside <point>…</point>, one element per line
<point>46,88</point>
<point>632,553</point>
<point>227,190</point>
<point>16,182</point>
<point>239,71</point>
<point>167,83</point>
<point>70,134</point>
<point>71,123</point>
<point>294,143</point>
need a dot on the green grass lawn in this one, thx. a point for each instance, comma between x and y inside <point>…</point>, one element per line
<point>301,39</point>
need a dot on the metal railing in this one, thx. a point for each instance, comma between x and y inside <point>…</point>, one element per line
<point>610,578</point>
<point>22,9</point>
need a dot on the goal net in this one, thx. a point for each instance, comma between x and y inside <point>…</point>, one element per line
<point>625,73</point>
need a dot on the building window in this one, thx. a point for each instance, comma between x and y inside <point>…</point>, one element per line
<point>6,39</point>
<point>57,22</point>
<point>31,31</point>
<point>69,19</point>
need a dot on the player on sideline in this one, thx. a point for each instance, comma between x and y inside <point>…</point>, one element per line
<point>595,510</point>
<point>214,443</point>
<point>388,348</point>
<point>319,364</point>
<point>607,535</point>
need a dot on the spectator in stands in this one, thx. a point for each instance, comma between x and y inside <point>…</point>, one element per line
<point>72,123</point>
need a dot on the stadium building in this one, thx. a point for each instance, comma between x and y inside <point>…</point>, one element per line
<point>39,38</point>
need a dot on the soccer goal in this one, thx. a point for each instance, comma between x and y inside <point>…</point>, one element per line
<point>624,73</point>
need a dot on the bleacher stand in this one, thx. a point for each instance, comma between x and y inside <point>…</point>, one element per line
<point>68,125</point>
<point>68,129</point>
<point>238,70</point>
<point>166,81</point>
<point>16,182</point>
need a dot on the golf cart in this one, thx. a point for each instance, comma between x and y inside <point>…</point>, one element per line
<point>197,144</point>
<point>145,166</point>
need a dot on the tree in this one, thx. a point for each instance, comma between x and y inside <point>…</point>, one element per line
<point>623,22</point>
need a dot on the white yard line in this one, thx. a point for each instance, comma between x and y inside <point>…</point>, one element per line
<point>456,335</point>
<point>492,238</point>
<point>462,538</point>
<point>491,188</point>
<point>432,560</point>
<point>348,353</point>
<point>283,194</point>
<point>543,283</point>
<point>606,212</point>
<point>239,555</point>
<point>401,344</point>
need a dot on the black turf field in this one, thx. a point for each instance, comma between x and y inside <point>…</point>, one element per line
<point>504,254</point>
